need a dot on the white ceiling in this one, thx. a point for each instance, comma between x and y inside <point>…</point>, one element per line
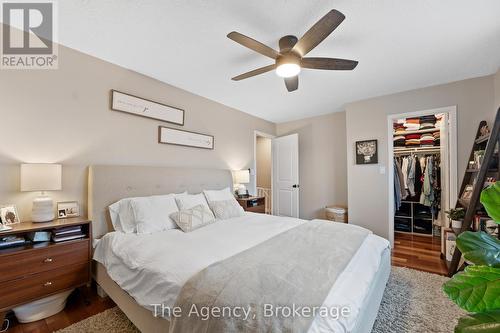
<point>400,45</point>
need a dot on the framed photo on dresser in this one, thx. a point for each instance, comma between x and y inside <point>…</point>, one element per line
<point>9,214</point>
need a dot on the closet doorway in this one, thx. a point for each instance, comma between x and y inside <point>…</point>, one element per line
<point>422,168</point>
<point>264,168</point>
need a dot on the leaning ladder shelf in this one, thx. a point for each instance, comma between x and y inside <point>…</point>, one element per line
<point>491,141</point>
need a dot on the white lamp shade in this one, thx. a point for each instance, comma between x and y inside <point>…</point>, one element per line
<point>41,177</point>
<point>241,176</point>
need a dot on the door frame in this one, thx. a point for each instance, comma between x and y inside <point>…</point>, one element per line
<point>452,151</point>
<point>257,133</point>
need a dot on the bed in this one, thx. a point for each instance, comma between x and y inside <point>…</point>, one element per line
<point>129,270</point>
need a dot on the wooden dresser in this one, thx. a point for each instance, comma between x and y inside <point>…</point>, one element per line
<point>253,204</point>
<point>36,270</point>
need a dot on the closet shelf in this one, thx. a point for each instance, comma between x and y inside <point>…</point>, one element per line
<point>428,130</point>
<point>436,149</point>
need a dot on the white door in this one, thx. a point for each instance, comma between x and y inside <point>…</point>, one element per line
<point>286,175</point>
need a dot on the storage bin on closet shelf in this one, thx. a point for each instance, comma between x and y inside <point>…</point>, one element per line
<point>336,213</point>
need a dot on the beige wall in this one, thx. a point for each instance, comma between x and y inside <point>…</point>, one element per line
<point>263,161</point>
<point>497,89</point>
<point>63,116</point>
<point>367,187</point>
<point>322,161</point>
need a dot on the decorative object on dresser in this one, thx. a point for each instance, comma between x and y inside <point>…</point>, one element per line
<point>9,215</point>
<point>41,177</point>
<point>366,152</point>
<point>146,108</point>
<point>253,204</point>
<point>34,271</point>
<point>179,137</point>
<point>68,209</point>
<point>241,177</point>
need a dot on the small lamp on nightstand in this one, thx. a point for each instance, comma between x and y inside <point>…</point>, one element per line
<point>41,177</point>
<point>241,177</point>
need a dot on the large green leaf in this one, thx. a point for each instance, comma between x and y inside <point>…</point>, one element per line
<point>480,248</point>
<point>486,322</point>
<point>477,289</point>
<point>490,198</point>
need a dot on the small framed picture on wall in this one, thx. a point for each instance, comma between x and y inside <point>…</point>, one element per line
<point>366,152</point>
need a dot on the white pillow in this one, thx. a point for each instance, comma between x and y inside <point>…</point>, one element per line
<point>188,201</point>
<point>226,209</point>
<point>193,218</point>
<point>152,214</point>
<point>219,195</point>
<point>122,216</point>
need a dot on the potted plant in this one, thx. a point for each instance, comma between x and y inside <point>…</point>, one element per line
<point>456,215</point>
<point>477,289</point>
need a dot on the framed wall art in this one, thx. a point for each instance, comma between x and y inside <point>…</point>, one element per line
<point>145,108</point>
<point>179,137</point>
<point>366,152</point>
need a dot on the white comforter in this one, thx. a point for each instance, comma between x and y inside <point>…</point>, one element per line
<point>153,268</point>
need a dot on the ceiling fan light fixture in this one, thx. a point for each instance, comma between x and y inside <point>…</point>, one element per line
<point>287,70</point>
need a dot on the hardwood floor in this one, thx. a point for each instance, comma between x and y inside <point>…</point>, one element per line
<point>418,252</point>
<point>82,304</point>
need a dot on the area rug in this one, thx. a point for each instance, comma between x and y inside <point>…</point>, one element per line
<point>413,302</point>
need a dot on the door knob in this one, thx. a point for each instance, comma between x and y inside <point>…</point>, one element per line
<point>295,185</point>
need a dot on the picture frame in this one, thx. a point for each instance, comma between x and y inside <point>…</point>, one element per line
<point>366,152</point>
<point>67,209</point>
<point>173,136</point>
<point>138,106</point>
<point>9,214</point>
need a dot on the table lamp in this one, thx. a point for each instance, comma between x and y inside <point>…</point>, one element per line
<point>41,177</point>
<point>241,177</point>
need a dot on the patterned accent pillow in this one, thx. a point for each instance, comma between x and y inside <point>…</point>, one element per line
<point>226,209</point>
<point>193,218</point>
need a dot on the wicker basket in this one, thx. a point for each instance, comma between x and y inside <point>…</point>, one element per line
<point>336,213</point>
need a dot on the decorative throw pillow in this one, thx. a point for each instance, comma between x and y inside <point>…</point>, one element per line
<point>193,218</point>
<point>188,201</point>
<point>226,209</point>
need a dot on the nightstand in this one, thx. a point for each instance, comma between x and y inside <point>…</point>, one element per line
<point>253,204</point>
<point>37,270</point>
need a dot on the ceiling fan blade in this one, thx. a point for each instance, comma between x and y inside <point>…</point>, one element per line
<point>328,63</point>
<point>292,83</point>
<point>319,32</point>
<point>253,44</point>
<point>254,72</point>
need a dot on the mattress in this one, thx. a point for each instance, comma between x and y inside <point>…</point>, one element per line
<point>153,268</point>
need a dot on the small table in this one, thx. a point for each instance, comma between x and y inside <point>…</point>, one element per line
<point>36,270</point>
<point>253,204</point>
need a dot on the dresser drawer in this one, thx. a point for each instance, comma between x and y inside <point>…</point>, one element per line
<point>43,284</point>
<point>31,261</point>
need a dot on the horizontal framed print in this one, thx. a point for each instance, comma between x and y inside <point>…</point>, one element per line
<point>179,137</point>
<point>68,209</point>
<point>145,108</point>
<point>366,152</point>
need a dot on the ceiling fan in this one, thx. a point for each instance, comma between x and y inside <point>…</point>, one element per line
<point>290,59</point>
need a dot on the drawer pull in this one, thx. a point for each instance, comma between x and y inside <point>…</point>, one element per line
<point>47,284</point>
<point>47,260</point>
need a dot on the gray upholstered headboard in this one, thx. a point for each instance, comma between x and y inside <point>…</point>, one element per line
<point>110,183</point>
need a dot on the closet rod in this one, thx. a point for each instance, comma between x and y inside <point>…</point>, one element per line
<point>417,150</point>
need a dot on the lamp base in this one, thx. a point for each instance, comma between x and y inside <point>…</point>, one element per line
<point>43,209</point>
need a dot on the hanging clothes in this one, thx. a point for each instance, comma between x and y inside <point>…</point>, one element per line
<point>402,190</point>
<point>397,187</point>
<point>411,176</point>
<point>427,195</point>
